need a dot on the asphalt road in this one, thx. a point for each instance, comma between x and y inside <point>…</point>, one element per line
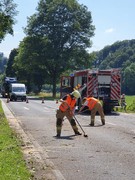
<point>107,154</point>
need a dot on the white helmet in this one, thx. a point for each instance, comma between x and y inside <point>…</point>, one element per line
<point>76,94</point>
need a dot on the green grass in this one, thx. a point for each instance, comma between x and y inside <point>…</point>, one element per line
<point>47,96</point>
<point>130,100</point>
<point>12,164</point>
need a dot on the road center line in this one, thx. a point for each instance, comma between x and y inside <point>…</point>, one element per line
<point>111,124</point>
<point>46,108</point>
<point>133,131</point>
<point>26,108</point>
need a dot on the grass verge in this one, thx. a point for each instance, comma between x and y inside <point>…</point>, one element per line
<point>130,101</point>
<point>47,96</point>
<point>12,164</point>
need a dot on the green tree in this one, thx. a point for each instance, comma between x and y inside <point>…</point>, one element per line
<point>119,55</point>
<point>28,63</point>
<point>129,79</point>
<point>3,62</point>
<point>9,69</point>
<point>7,14</point>
<point>66,27</point>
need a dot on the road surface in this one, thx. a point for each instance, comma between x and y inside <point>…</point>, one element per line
<point>107,154</point>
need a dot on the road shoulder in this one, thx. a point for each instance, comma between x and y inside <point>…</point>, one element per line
<point>36,158</point>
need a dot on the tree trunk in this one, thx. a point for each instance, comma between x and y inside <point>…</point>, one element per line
<point>28,86</point>
<point>54,87</point>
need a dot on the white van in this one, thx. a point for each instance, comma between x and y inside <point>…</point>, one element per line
<point>17,91</point>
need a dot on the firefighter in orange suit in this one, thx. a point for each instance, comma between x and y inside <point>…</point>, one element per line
<point>94,106</point>
<point>67,109</point>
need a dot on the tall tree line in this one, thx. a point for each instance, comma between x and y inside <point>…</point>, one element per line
<point>121,55</point>
<point>7,20</point>
<point>57,37</point>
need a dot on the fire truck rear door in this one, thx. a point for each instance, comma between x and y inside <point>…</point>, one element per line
<point>66,85</point>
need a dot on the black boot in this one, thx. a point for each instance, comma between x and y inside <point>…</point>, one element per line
<point>103,122</point>
<point>78,133</point>
<point>91,124</point>
<point>58,135</point>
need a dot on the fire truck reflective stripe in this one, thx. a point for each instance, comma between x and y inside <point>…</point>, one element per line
<point>92,85</point>
<point>115,87</point>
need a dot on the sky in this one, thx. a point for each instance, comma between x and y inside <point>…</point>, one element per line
<point>113,20</point>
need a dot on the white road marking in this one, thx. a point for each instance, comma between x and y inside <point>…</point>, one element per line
<point>26,108</point>
<point>133,131</point>
<point>111,124</point>
<point>46,109</point>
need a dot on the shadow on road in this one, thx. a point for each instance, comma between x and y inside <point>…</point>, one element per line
<point>87,113</point>
<point>71,137</point>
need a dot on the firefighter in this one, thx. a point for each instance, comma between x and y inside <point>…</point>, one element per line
<point>67,109</point>
<point>123,102</point>
<point>94,106</point>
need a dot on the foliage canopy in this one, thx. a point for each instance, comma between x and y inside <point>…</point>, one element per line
<point>61,32</point>
<point>121,55</point>
<point>7,14</point>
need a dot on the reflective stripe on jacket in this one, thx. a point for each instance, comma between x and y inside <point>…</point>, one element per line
<point>70,104</point>
<point>92,102</point>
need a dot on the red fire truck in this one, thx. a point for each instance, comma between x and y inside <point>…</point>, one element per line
<point>102,84</point>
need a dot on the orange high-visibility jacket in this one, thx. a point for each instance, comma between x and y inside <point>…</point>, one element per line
<point>70,104</point>
<point>92,102</point>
